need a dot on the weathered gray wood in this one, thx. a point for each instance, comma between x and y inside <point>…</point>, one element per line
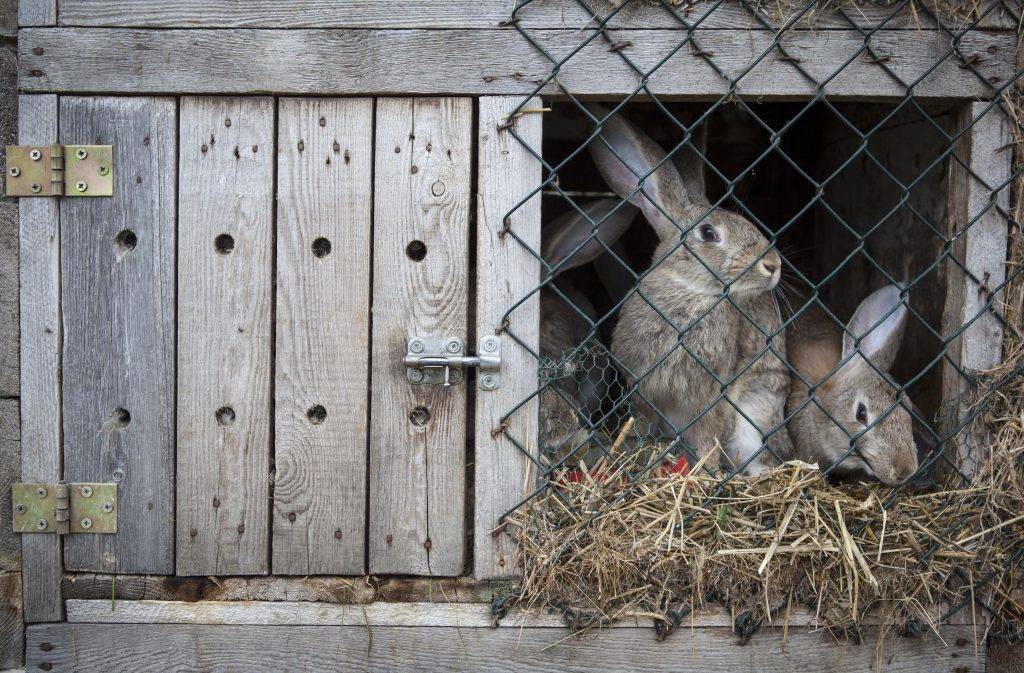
<point>117,302</point>
<point>12,625</point>
<point>8,218</point>
<point>496,61</point>
<point>39,252</point>
<point>159,647</point>
<point>980,233</point>
<point>37,12</point>
<point>224,334</point>
<point>324,191</point>
<point>10,472</point>
<point>417,460</point>
<point>507,271</point>
<point>460,14</point>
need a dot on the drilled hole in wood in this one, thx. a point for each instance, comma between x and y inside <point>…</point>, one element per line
<point>119,419</point>
<point>316,414</point>
<point>225,416</point>
<point>321,248</point>
<point>126,240</point>
<point>224,244</point>
<point>416,250</point>
<point>419,416</point>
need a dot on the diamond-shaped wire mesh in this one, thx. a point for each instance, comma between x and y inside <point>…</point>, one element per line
<point>717,276</point>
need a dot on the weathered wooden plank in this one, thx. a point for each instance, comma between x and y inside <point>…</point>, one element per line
<point>117,285</point>
<point>224,334</point>
<point>159,647</point>
<point>10,471</point>
<point>9,320</point>
<point>465,14</point>
<point>499,61</point>
<point>980,232</point>
<point>507,272</point>
<point>37,12</point>
<point>12,625</point>
<point>420,286</point>
<point>325,166</point>
<point>39,252</point>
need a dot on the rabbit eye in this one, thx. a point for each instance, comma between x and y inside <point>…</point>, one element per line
<point>708,234</point>
<point>862,414</point>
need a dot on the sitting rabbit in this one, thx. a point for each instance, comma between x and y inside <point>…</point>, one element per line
<point>682,336</point>
<point>865,406</point>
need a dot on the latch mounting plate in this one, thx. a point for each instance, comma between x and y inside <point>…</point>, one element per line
<point>64,508</point>
<point>60,170</point>
<point>442,361</point>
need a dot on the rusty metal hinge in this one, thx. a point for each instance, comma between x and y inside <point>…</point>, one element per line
<point>60,170</point>
<point>64,508</point>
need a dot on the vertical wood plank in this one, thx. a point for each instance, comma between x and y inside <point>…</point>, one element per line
<point>37,13</point>
<point>980,233</point>
<point>506,273</point>
<point>325,162</point>
<point>39,253</point>
<point>117,284</point>
<point>417,463</point>
<point>224,334</point>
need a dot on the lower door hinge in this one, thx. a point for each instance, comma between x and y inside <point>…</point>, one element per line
<point>64,508</point>
<point>60,170</point>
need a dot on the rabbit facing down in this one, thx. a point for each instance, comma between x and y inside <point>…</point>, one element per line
<point>678,338</point>
<point>864,404</point>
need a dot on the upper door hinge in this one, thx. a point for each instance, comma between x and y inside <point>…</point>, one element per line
<point>60,170</point>
<point>64,508</point>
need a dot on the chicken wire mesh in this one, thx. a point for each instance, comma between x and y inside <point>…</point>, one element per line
<point>717,350</point>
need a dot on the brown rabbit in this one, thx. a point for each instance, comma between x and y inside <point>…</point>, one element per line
<point>583,372</point>
<point>679,361</point>
<point>856,396</point>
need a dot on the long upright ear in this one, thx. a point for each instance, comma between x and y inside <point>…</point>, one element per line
<point>624,155</point>
<point>608,220</point>
<point>880,344</point>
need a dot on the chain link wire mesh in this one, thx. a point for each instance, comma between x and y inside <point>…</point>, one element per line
<point>607,408</point>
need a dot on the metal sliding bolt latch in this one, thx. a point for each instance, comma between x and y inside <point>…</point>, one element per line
<point>442,361</point>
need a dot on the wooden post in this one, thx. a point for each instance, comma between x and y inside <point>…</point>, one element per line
<point>980,232</point>
<point>506,273</point>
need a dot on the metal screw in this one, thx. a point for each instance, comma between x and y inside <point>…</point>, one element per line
<point>103,170</point>
<point>35,155</point>
<point>41,492</point>
<point>35,188</point>
<point>415,375</point>
<point>108,507</point>
<point>416,346</point>
<point>14,171</point>
<point>81,186</point>
<point>86,522</point>
<point>41,524</point>
<point>455,376</point>
<point>81,153</point>
<point>454,346</point>
<point>86,491</point>
<point>490,344</point>
<point>19,508</point>
<point>488,381</point>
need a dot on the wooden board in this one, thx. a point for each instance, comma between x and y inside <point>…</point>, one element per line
<point>507,271</point>
<point>10,473</point>
<point>224,334</point>
<point>459,14</point>
<point>980,231</point>
<point>323,310</point>
<point>117,298</point>
<point>418,433</point>
<point>497,61</point>
<point>158,647</point>
<point>39,253</point>
<point>37,12</point>
<point>12,626</point>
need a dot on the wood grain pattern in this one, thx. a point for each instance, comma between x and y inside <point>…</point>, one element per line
<point>461,14</point>
<point>498,61</point>
<point>118,350</point>
<point>39,253</point>
<point>506,273</point>
<point>980,233</point>
<point>224,334</point>
<point>12,626</point>
<point>417,469</point>
<point>37,12</point>
<point>10,472</point>
<point>325,166</point>
<point>159,647</point>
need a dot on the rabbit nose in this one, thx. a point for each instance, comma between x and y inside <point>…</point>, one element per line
<point>767,267</point>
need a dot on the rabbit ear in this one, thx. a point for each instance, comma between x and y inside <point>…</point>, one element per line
<point>608,220</point>
<point>637,155</point>
<point>881,344</point>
